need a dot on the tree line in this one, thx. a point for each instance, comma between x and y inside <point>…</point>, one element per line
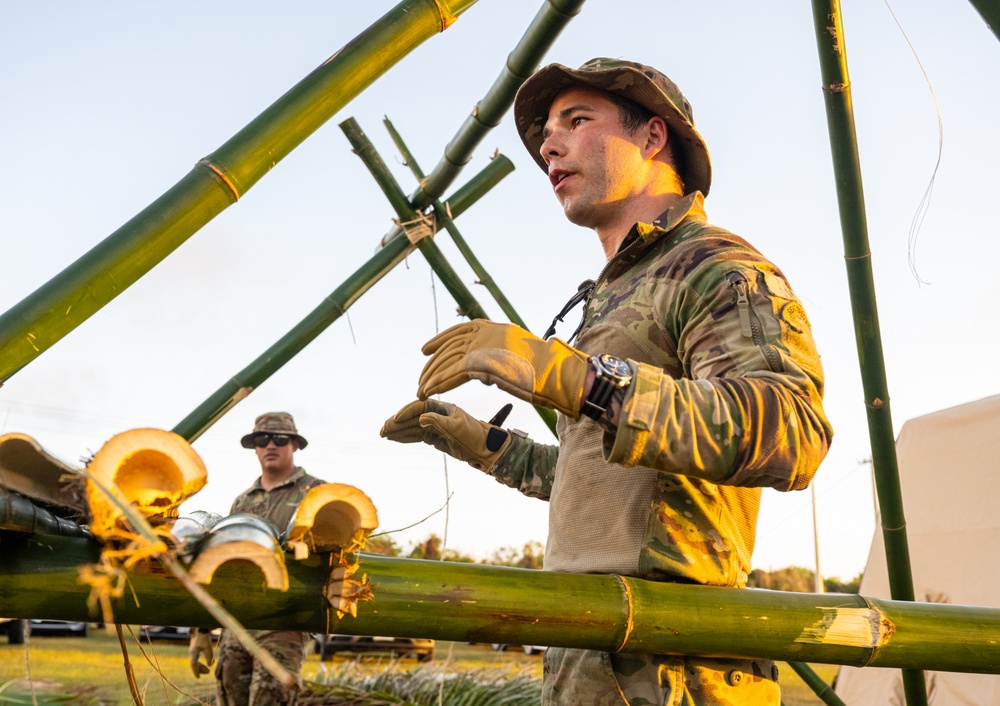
<point>792,578</point>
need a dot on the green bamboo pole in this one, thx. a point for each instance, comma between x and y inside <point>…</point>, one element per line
<point>19,514</point>
<point>857,252</point>
<point>362,146</point>
<point>541,34</point>
<point>816,683</point>
<point>216,182</point>
<point>469,602</point>
<point>329,310</point>
<point>989,10</point>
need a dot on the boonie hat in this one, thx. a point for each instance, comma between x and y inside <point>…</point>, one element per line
<point>642,84</point>
<point>274,423</point>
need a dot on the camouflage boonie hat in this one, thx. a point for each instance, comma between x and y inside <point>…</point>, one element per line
<point>642,84</point>
<point>274,423</point>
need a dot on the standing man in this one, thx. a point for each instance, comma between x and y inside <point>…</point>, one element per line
<point>274,496</point>
<point>692,382</point>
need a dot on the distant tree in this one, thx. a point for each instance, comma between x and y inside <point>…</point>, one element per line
<point>459,557</point>
<point>430,548</point>
<point>792,578</point>
<point>529,557</point>
<point>835,585</point>
<point>382,545</point>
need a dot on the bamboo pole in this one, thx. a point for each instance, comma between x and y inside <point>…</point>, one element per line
<point>19,514</point>
<point>857,252</point>
<point>468,602</point>
<point>215,183</point>
<point>989,10</point>
<point>329,310</point>
<point>362,146</point>
<point>814,682</point>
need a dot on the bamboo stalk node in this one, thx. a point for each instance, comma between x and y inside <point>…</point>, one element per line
<point>343,591</point>
<point>423,226</point>
<point>331,517</point>
<point>447,17</point>
<point>242,538</point>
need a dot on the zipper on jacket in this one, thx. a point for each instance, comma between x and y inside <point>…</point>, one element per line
<point>749,322</point>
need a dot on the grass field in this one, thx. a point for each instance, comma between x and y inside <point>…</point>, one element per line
<point>91,669</point>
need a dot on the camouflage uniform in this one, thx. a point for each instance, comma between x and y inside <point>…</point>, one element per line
<point>726,399</point>
<point>241,680</point>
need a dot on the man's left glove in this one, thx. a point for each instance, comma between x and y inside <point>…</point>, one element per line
<point>449,429</point>
<point>201,644</point>
<point>547,373</point>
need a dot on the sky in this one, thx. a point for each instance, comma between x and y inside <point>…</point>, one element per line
<point>105,106</point>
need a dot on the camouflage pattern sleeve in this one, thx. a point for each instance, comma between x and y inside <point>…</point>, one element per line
<point>527,466</point>
<point>746,409</point>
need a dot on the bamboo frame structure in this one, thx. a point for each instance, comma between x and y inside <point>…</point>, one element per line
<point>444,220</point>
<point>215,183</point>
<point>362,146</point>
<point>468,602</point>
<point>857,255</point>
<point>467,303</point>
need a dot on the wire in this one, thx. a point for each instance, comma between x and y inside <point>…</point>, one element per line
<point>925,201</point>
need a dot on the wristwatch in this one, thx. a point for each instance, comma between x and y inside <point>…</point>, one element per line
<point>613,373</point>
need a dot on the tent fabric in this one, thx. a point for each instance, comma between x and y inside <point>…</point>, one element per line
<point>949,469</point>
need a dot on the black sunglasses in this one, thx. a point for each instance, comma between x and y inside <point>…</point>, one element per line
<point>263,439</point>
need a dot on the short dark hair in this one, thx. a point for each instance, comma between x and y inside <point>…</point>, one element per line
<point>633,116</point>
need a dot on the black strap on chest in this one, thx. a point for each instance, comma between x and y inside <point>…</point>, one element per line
<point>582,294</point>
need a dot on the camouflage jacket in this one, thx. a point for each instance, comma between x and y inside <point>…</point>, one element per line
<point>726,399</point>
<point>278,504</point>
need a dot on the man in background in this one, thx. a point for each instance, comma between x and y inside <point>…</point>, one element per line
<point>274,496</point>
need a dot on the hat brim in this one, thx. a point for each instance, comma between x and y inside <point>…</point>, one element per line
<point>247,440</point>
<point>533,99</point>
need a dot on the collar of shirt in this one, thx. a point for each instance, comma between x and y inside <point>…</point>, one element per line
<point>690,207</point>
<point>299,472</point>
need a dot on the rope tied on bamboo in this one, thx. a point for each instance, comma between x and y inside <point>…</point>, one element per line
<point>423,226</point>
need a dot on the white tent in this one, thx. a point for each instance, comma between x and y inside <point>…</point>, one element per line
<point>949,467</point>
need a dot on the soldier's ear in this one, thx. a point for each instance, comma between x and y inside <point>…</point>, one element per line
<point>656,133</point>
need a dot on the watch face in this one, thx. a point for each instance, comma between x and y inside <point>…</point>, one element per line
<point>615,367</point>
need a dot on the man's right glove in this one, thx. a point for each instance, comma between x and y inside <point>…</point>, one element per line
<point>450,429</point>
<point>201,643</point>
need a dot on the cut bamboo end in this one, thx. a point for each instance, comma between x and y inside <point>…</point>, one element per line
<point>242,539</point>
<point>331,517</point>
<point>28,469</point>
<point>155,470</point>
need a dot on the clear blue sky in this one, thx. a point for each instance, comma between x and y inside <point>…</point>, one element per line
<point>106,106</point>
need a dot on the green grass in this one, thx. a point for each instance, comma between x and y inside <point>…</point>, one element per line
<point>90,670</point>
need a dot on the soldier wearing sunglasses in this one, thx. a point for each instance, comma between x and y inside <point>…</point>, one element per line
<point>274,496</point>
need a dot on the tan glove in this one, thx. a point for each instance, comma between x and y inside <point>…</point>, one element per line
<point>201,643</point>
<point>547,373</point>
<point>449,429</point>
